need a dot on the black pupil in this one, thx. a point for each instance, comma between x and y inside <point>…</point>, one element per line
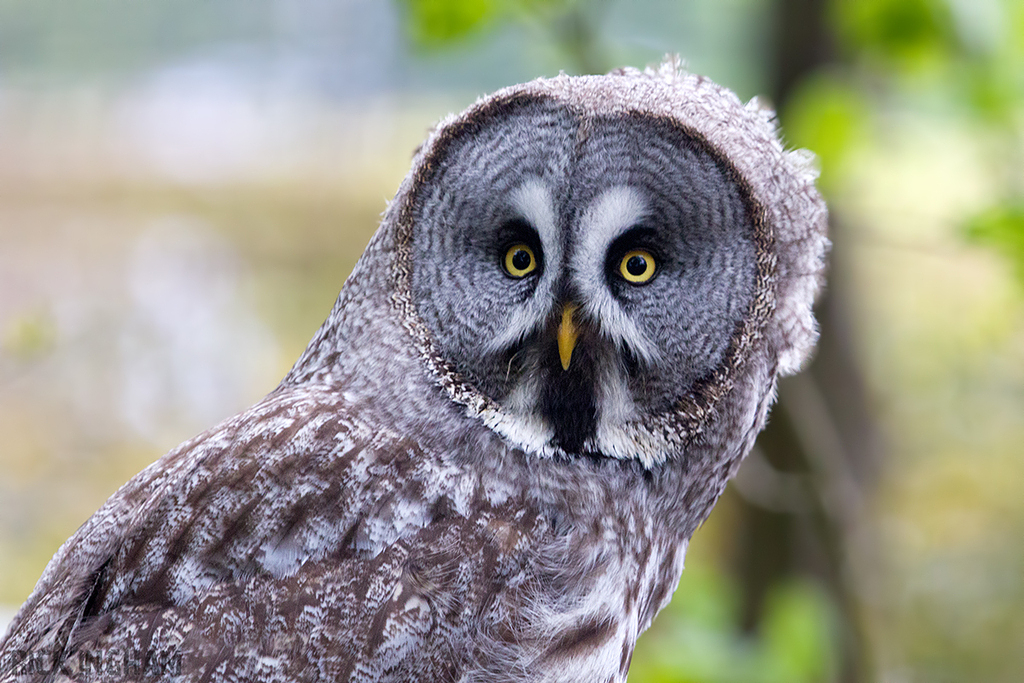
<point>521,260</point>
<point>636,265</point>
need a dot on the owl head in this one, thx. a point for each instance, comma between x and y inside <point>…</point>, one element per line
<point>606,265</point>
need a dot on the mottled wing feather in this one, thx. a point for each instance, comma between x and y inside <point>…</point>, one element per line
<point>295,543</point>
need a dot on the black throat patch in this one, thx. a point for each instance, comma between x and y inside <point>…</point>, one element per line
<point>567,399</point>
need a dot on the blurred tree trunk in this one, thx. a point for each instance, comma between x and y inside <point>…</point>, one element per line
<point>821,433</point>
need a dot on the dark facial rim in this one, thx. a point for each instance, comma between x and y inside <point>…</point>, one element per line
<point>691,408</point>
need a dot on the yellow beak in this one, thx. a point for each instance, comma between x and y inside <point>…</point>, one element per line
<point>567,334</point>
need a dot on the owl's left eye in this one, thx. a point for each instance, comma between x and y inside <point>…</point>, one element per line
<point>637,266</point>
<point>519,260</point>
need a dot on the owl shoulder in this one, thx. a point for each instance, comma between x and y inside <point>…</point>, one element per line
<point>294,523</point>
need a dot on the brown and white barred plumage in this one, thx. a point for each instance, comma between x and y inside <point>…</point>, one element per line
<point>372,519</point>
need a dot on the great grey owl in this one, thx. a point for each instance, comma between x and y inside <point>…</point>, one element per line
<point>489,461</point>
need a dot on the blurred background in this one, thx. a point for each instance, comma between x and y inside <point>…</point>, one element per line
<point>185,184</point>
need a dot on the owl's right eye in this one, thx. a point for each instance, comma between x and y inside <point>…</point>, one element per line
<point>519,260</point>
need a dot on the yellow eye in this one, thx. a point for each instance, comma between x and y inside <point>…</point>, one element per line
<point>520,261</point>
<point>637,266</point>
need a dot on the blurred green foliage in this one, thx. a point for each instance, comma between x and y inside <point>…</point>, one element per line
<point>956,59</point>
<point>696,640</point>
<point>908,33</point>
<point>1002,227</point>
<point>831,116</point>
<point>437,23</point>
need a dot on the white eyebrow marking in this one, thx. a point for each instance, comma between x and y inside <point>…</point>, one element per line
<point>533,201</point>
<point>611,214</point>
